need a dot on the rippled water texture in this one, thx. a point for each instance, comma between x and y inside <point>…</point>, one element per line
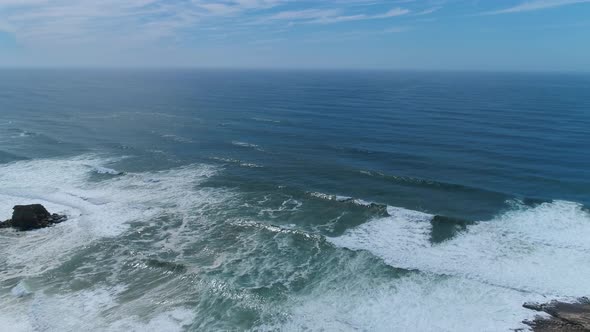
<point>319,201</point>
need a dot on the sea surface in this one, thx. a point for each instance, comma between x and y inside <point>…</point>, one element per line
<point>228,200</point>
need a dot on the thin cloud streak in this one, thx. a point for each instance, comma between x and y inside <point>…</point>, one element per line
<point>360,17</point>
<point>326,16</point>
<point>428,11</point>
<point>535,5</point>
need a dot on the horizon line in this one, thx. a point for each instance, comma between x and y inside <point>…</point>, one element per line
<point>306,69</point>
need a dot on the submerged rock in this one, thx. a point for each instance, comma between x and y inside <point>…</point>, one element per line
<point>565,317</point>
<point>446,228</point>
<point>29,217</point>
<point>165,265</point>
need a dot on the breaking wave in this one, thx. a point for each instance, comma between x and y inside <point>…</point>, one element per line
<point>95,208</point>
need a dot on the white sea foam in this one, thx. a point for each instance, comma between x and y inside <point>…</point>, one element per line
<point>544,249</point>
<point>244,144</point>
<point>250,165</point>
<point>415,303</point>
<point>95,209</point>
<point>90,310</point>
<point>237,162</point>
<point>288,205</point>
<point>106,170</point>
<point>14,322</point>
<point>177,138</point>
<point>247,145</point>
<point>476,281</point>
<point>343,199</point>
<point>330,197</point>
<point>266,120</point>
<point>285,229</point>
<point>21,289</point>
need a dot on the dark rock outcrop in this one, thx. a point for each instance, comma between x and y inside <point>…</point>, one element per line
<point>29,217</point>
<point>565,317</point>
<point>167,266</point>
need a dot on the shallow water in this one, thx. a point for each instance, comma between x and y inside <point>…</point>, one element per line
<point>244,200</point>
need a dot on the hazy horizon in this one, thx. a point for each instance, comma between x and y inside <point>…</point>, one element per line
<point>455,35</point>
<point>295,69</point>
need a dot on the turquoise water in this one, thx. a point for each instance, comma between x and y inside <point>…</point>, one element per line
<point>278,200</point>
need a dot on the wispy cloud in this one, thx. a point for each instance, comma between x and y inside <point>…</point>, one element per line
<point>87,26</point>
<point>59,21</point>
<point>54,22</point>
<point>428,11</point>
<point>220,8</point>
<point>535,5</point>
<point>327,16</point>
<point>215,32</point>
<point>360,17</point>
<point>305,14</point>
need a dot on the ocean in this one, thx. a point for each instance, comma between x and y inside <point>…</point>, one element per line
<point>253,200</point>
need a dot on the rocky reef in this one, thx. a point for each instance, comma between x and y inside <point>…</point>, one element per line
<point>30,217</point>
<point>564,317</point>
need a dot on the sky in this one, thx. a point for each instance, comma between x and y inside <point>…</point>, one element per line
<point>506,35</point>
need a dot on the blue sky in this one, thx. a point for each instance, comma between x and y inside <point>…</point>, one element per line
<point>403,34</point>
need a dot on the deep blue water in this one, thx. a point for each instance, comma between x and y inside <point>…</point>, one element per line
<point>291,146</point>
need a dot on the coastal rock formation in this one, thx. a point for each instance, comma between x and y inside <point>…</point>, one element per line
<point>29,217</point>
<point>565,317</point>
